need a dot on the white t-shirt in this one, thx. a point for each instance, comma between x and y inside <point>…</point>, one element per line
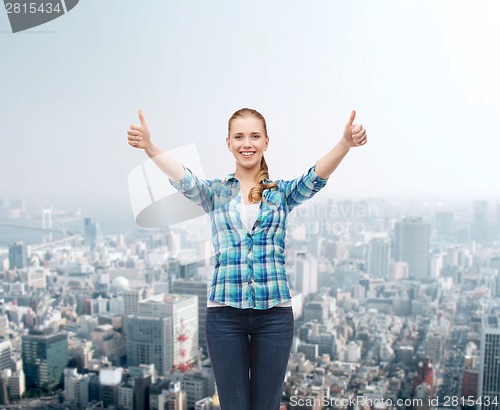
<point>248,214</point>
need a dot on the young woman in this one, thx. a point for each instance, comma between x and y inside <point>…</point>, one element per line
<point>249,323</point>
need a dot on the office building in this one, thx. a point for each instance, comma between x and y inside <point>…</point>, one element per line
<point>200,289</point>
<point>183,311</point>
<point>45,355</point>
<point>489,370</point>
<point>18,255</point>
<point>142,376</point>
<point>444,224</point>
<point>5,353</point>
<point>149,341</point>
<point>90,238</point>
<point>109,381</point>
<point>379,252</point>
<point>480,228</point>
<point>412,245</point>
<point>306,274</point>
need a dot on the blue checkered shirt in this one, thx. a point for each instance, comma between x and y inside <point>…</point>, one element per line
<point>249,265</point>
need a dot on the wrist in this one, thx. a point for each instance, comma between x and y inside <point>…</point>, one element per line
<point>344,144</point>
<point>151,150</point>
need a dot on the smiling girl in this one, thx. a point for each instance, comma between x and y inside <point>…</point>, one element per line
<point>249,324</point>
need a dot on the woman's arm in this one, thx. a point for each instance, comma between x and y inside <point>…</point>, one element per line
<point>140,137</point>
<point>354,136</point>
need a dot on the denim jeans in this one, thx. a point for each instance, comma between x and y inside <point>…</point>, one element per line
<point>249,351</point>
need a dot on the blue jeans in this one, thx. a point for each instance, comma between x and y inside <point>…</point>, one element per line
<point>249,351</point>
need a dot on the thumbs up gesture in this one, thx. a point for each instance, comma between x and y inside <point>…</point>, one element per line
<point>354,135</point>
<point>139,135</point>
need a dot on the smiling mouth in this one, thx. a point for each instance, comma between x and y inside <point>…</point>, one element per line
<point>247,154</point>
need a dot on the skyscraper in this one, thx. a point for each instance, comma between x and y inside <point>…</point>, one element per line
<point>412,245</point>
<point>480,222</point>
<point>45,355</point>
<point>174,318</point>
<point>18,255</point>
<point>143,376</point>
<point>131,299</point>
<point>149,341</point>
<point>200,289</point>
<point>5,352</point>
<point>379,251</point>
<point>306,273</point>
<point>444,224</point>
<point>489,371</point>
<point>90,233</point>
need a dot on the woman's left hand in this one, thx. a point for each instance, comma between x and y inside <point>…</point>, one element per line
<point>354,135</point>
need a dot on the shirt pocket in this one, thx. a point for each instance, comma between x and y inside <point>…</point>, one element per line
<point>271,216</point>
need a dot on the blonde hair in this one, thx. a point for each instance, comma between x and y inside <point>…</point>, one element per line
<point>255,194</point>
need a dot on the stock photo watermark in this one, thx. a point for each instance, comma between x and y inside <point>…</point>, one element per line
<point>340,218</point>
<point>26,14</point>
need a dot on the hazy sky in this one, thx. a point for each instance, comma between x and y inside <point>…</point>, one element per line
<point>422,75</point>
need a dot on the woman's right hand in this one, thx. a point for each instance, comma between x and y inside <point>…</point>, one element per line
<point>139,135</point>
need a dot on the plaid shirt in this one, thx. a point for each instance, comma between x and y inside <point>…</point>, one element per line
<point>249,265</point>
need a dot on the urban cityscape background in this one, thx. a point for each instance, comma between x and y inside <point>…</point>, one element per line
<point>394,267</point>
<point>395,305</point>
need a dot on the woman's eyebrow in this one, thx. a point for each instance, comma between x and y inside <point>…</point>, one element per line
<point>241,133</point>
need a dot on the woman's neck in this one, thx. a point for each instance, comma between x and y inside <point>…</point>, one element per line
<point>245,175</point>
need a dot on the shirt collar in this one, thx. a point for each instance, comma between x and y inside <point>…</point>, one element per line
<point>231,177</point>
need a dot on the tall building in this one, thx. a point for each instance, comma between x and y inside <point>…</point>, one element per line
<point>18,255</point>
<point>45,356</point>
<point>126,395</point>
<point>434,346</point>
<point>412,245</point>
<point>444,224</point>
<point>489,370</point>
<point>164,332</point>
<point>149,340</point>
<point>109,381</point>
<point>306,274</point>
<point>17,385</point>
<point>425,375</point>
<point>480,228</point>
<point>131,299</point>
<point>175,398</point>
<point>470,382</point>
<point>4,386</point>
<point>379,252</point>
<point>183,311</point>
<point>90,237</point>
<point>196,387</point>
<point>143,376</point>
<point>5,353</point>
<point>200,289</point>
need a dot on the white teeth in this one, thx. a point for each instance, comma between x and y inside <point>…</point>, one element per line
<point>247,154</point>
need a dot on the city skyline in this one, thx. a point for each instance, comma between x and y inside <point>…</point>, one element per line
<point>117,314</point>
<point>426,97</point>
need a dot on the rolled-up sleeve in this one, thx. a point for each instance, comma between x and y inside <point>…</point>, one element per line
<point>303,188</point>
<point>195,189</point>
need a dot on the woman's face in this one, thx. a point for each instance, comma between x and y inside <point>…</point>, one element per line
<point>247,141</point>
